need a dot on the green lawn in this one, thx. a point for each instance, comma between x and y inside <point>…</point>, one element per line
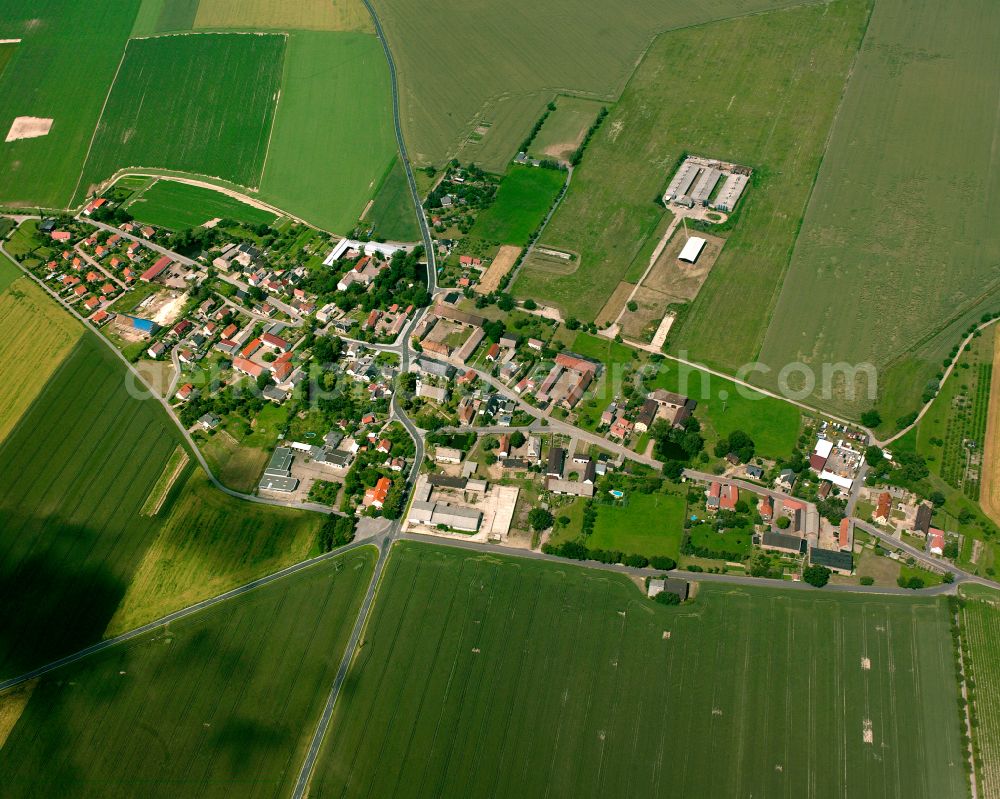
<point>333,136</point>
<point>650,524</point>
<point>220,704</point>
<point>569,674</point>
<point>392,214</point>
<point>174,205</point>
<point>207,106</point>
<point>736,542</point>
<point>919,95</point>
<point>523,199</point>
<point>63,68</point>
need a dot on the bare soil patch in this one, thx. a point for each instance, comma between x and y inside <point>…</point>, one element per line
<point>12,705</point>
<point>679,280</point>
<point>28,128</point>
<point>501,265</point>
<point>989,493</point>
<point>643,322</point>
<point>614,304</point>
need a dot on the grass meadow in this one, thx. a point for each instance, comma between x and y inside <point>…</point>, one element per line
<point>722,405</point>
<point>483,675</point>
<point>174,205</point>
<point>35,338</point>
<point>909,253</point>
<point>711,90</point>
<point>649,524</point>
<point>474,77</point>
<point>564,129</point>
<point>219,704</point>
<point>392,213</point>
<point>773,424</point>
<point>523,199</point>
<point>62,70</point>
<point>333,137</point>
<point>197,103</point>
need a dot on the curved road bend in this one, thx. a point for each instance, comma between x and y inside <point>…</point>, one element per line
<point>310,506</point>
<point>404,157</point>
<point>197,607</point>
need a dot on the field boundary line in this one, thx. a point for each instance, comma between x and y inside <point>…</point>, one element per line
<point>100,118</point>
<point>183,613</point>
<point>274,114</point>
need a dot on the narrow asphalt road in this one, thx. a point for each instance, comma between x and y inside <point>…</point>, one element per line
<point>107,643</point>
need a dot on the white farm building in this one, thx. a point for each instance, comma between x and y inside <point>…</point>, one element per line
<point>692,249</point>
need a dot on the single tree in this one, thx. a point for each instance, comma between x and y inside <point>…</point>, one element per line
<point>540,519</point>
<point>817,576</point>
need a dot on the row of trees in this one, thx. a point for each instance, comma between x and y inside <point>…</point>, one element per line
<point>578,551</point>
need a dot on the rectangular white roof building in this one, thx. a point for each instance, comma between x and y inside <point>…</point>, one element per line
<point>692,249</point>
<point>823,447</point>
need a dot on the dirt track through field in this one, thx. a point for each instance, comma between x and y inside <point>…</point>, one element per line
<point>989,495</point>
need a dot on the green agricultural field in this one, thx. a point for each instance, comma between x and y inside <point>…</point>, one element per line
<point>77,469</point>
<point>392,215</point>
<point>35,337</point>
<point>207,106</point>
<point>483,675</point>
<point>980,628</point>
<point>62,70</point>
<point>649,524</point>
<point>328,15</point>
<point>726,97</point>
<point>219,704</point>
<point>496,64</point>
<point>6,54</point>
<point>174,205</point>
<point>523,199</point>
<point>208,544</point>
<point>564,128</point>
<point>333,136</point>
<point>164,16</point>
<point>893,262</point>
